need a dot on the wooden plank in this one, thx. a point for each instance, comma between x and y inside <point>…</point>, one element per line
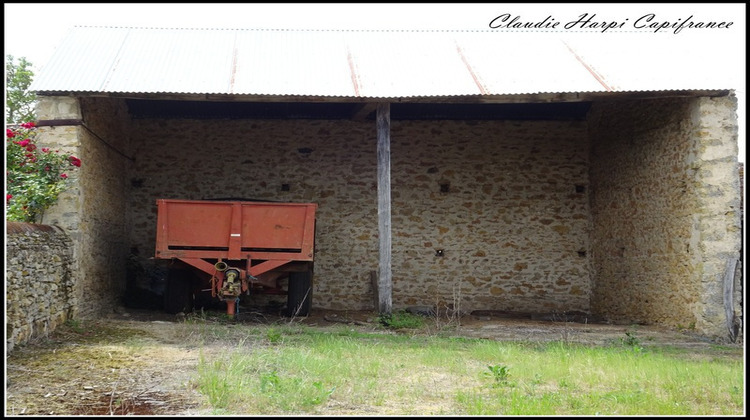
<point>729,282</point>
<point>374,283</point>
<point>385,287</point>
<point>57,123</point>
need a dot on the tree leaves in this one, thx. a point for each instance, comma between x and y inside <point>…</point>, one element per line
<point>19,102</point>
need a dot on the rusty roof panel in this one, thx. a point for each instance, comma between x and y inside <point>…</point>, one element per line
<point>347,64</point>
<point>510,63</point>
<point>408,64</point>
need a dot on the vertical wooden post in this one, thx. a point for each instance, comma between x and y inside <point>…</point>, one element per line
<point>385,287</point>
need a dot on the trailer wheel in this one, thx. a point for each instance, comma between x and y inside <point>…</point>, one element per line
<point>178,296</point>
<point>299,296</point>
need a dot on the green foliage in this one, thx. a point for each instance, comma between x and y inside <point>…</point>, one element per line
<point>215,382</point>
<point>269,381</point>
<point>19,102</point>
<point>499,373</point>
<point>401,319</point>
<point>263,381</point>
<point>35,177</point>
<point>632,341</point>
<point>273,335</point>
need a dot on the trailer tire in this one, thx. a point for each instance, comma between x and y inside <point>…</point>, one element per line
<point>178,296</point>
<point>299,296</point>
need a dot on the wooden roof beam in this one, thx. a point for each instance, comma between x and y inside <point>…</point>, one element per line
<point>361,111</point>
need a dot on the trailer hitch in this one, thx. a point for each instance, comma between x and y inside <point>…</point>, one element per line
<point>231,287</point>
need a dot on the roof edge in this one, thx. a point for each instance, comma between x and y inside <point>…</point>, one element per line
<point>507,98</point>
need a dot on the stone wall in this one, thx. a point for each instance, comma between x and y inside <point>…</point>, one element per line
<point>513,224</point>
<point>665,210</point>
<point>507,204</point>
<point>718,228</point>
<point>39,281</point>
<point>632,215</point>
<point>93,211</point>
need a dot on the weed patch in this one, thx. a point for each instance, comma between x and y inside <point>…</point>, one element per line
<point>499,373</point>
<point>401,320</point>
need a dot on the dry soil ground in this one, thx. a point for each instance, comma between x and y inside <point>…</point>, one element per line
<point>140,362</point>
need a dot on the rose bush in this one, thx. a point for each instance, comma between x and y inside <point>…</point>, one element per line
<point>34,177</point>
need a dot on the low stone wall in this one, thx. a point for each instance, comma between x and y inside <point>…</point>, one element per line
<point>39,279</point>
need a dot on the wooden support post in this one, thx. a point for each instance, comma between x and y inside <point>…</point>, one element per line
<point>375,290</point>
<point>385,287</point>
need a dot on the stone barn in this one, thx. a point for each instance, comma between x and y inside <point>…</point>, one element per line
<point>445,172</point>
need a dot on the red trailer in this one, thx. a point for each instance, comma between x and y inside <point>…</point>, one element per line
<point>227,248</point>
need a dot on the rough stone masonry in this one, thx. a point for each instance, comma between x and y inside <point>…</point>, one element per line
<point>631,214</point>
<point>39,281</point>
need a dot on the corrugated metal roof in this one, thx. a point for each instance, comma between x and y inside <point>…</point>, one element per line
<point>351,64</point>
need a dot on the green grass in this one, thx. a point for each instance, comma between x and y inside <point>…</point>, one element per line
<point>401,320</point>
<point>293,369</point>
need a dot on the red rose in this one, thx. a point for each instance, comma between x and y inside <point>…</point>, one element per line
<point>10,133</point>
<point>63,176</point>
<point>30,124</point>
<point>75,161</point>
<point>22,143</point>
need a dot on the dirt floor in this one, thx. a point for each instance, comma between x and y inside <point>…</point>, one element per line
<point>139,362</point>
